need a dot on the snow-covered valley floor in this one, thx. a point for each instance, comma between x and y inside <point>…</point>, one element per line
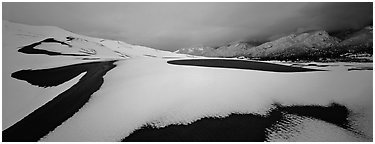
<point>145,96</point>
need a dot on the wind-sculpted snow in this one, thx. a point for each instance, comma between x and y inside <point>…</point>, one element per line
<point>233,128</point>
<point>19,96</point>
<point>294,128</point>
<point>244,127</point>
<point>148,91</point>
<point>335,114</point>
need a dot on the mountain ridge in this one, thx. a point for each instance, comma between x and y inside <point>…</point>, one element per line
<point>309,45</point>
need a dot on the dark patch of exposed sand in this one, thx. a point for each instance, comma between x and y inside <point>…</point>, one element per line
<point>52,76</point>
<point>240,64</point>
<point>240,127</point>
<point>30,49</point>
<point>46,118</point>
<point>359,68</point>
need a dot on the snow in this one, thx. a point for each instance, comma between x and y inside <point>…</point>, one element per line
<point>313,130</point>
<point>143,89</point>
<point>22,98</point>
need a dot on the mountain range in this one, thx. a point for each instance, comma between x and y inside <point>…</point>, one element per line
<point>310,45</point>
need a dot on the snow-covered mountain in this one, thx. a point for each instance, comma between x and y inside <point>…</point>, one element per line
<point>61,86</point>
<point>234,49</point>
<point>306,45</point>
<point>293,45</point>
<point>198,51</point>
<point>359,41</point>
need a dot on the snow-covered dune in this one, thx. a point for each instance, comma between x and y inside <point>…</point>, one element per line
<point>21,98</point>
<point>143,89</point>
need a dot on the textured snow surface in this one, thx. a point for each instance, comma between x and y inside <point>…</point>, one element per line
<point>19,97</point>
<point>145,90</point>
<point>311,130</point>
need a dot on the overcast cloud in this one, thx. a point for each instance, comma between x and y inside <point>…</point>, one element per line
<point>170,26</point>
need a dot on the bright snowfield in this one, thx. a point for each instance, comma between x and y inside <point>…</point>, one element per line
<point>144,89</point>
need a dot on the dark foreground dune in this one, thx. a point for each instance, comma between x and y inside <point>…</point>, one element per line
<point>240,127</point>
<point>240,64</point>
<point>46,118</point>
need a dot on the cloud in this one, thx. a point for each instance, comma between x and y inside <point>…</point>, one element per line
<point>321,16</point>
<point>170,26</point>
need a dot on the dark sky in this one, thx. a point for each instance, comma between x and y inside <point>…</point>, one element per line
<point>170,26</point>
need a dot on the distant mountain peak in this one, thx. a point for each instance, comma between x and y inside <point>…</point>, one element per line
<point>313,43</point>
